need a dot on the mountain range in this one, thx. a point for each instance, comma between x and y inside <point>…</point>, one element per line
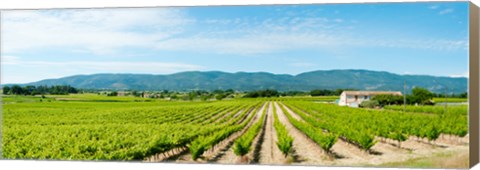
<point>247,81</point>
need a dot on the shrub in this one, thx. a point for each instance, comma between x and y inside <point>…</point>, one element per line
<point>370,104</point>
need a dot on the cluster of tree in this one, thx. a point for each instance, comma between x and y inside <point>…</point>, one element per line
<point>274,93</point>
<point>294,93</point>
<point>387,99</point>
<point>453,95</point>
<point>262,93</point>
<point>325,92</point>
<point>176,95</point>
<point>113,93</point>
<point>220,94</point>
<point>199,94</point>
<point>419,96</point>
<point>34,90</point>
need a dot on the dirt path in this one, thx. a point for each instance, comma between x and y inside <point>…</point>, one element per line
<point>348,154</point>
<point>290,111</point>
<point>270,154</point>
<point>450,140</point>
<point>306,151</point>
<point>226,155</point>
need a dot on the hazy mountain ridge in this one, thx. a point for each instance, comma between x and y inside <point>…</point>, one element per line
<point>244,81</point>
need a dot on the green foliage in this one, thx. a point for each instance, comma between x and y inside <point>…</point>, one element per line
<point>454,121</point>
<point>113,130</point>
<point>6,90</point>
<point>369,104</point>
<point>243,144</point>
<point>196,148</point>
<point>398,136</point>
<point>285,141</point>
<point>359,126</point>
<point>205,142</point>
<point>432,132</point>
<point>366,141</point>
<point>113,93</point>
<point>34,90</point>
<point>262,93</point>
<point>420,96</point>
<point>97,127</point>
<point>220,96</point>
<point>450,100</point>
<point>326,92</point>
<point>463,95</point>
<point>324,140</point>
<point>385,99</point>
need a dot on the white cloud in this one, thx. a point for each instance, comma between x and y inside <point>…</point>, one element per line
<point>251,44</point>
<point>95,30</point>
<point>274,35</point>
<point>262,43</point>
<point>465,74</point>
<point>9,59</point>
<point>338,20</point>
<point>105,31</point>
<point>433,7</point>
<point>445,11</point>
<point>52,69</point>
<point>152,67</point>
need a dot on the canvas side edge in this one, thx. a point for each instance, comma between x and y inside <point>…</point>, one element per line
<point>474,88</point>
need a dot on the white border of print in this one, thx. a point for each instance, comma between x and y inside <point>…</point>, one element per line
<point>53,165</point>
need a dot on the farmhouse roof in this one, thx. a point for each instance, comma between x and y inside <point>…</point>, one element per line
<point>366,93</point>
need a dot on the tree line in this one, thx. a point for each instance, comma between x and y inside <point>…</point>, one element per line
<point>36,90</point>
<point>275,93</point>
<point>419,96</point>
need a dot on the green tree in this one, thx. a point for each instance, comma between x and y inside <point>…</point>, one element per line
<point>16,89</point>
<point>387,99</point>
<point>220,96</point>
<point>6,90</point>
<point>421,95</point>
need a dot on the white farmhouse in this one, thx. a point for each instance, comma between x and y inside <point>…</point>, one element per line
<point>354,98</point>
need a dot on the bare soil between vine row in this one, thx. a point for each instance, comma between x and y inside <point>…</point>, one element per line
<point>307,152</point>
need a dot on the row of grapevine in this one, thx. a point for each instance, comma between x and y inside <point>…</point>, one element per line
<point>324,140</point>
<point>225,116</point>
<point>285,141</point>
<point>201,144</point>
<point>359,136</point>
<point>360,126</point>
<point>453,122</point>
<point>106,130</point>
<point>440,109</point>
<point>243,144</point>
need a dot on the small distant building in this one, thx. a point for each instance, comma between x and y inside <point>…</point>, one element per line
<point>150,95</point>
<point>121,93</point>
<point>146,95</point>
<point>354,98</point>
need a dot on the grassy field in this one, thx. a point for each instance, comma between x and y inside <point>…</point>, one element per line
<point>440,160</point>
<point>450,100</point>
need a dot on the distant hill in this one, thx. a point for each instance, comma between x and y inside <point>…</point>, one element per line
<point>244,81</point>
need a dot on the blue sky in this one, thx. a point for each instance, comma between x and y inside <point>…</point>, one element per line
<point>404,38</point>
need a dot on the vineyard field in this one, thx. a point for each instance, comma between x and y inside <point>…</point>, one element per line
<point>256,131</point>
